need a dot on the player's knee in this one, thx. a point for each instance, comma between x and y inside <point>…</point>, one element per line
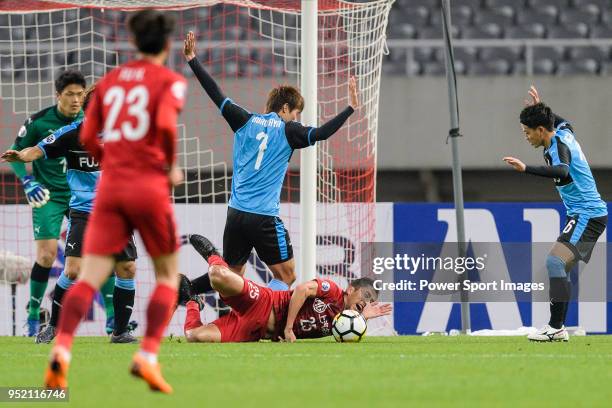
<point>555,267</point>
<point>218,275</point>
<point>46,257</point>
<point>126,270</point>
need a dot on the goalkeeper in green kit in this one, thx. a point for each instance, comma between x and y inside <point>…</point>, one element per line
<point>46,189</point>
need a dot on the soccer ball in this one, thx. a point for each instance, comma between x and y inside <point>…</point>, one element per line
<point>349,326</point>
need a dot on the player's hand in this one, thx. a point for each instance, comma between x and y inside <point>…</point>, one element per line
<point>189,46</point>
<point>516,163</point>
<point>175,176</point>
<point>353,93</point>
<point>376,309</point>
<point>534,97</point>
<point>10,156</point>
<point>289,335</point>
<point>36,194</point>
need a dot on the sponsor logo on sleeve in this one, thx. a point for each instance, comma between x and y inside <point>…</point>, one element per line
<point>325,286</point>
<point>178,90</point>
<point>50,139</point>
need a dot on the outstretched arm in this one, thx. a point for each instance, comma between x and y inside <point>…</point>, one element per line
<point>300,136</point>
<point>26,155</point>
<point>557,171</point>
<point>235,115</point>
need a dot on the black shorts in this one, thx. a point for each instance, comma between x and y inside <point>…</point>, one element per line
<point>581,233</point>
<point>76,232</point>
<point>245,231</point>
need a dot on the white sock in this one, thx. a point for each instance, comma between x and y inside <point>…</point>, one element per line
<point>151,357</point>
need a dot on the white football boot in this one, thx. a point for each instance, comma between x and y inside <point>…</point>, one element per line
<point>549,334</point>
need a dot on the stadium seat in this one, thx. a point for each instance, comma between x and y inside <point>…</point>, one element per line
<point>503,16</point>
<point>544,66</point>
<point>460,15</point>
<point>435,32</point>
<point>598,54</point>
<point>601,31</point>
<point>541,3</point>
<point>533,30</point>
<point>578,30</point>
<point>474,4</point>
<point>467,55</point>
<point>541,15</point>
<point>500,3</point>
<point>403,30</point>
<point>490,30</point>
<point>509,54</point>
<point>578,67</point>
<point>423,54</point>
<point>434,68</point>
<point>602,4</point>
<point>417,16</point>
<point>588,14</point>
<point>606,68</point>
<point>491,67</point>
<point>553,53</point>
<point>418,3</point>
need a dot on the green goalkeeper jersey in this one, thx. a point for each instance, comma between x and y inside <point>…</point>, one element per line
<point>49,172</point>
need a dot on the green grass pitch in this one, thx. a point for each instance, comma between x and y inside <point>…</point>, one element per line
<point>379,372</point>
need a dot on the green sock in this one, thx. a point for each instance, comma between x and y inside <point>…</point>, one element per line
<point>107,294</point>
<point>37,293</point>
<point>38,286</point>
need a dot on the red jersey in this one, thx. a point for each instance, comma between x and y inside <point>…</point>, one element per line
<point>315,318</point>
<point>136,107</point>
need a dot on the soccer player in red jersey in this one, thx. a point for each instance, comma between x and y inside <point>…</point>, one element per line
<point>135,109</point>
<point>260,313</point>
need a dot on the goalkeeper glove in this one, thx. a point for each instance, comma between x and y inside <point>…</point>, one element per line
<point>36,193</point>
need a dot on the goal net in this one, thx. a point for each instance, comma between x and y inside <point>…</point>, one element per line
<point>249,46</point>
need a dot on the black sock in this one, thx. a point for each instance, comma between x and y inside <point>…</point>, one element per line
<point>40,273</point>
<point>566,306</point>
<point>123,302</point>
<point>56,307</point>
<point>559,298</point>
<point>201,285</point>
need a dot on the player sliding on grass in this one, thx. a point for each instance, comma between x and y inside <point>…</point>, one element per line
<point>135,106</point>
<point>260,313</point>
<point>82,173</point>
<point>263,145</point>
<point>587,214</point>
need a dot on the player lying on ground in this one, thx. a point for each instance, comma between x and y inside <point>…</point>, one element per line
<point>587,213</point>
<point>46,189</point>
<point>260,313</point>
<point>83,172</point>
<point>263,145</point>
<point>136,108</point>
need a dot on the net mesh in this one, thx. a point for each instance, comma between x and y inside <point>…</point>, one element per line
<point>248,47</point>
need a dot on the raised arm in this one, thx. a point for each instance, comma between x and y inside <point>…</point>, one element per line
<point>300,136</point>
<point>235,115</point>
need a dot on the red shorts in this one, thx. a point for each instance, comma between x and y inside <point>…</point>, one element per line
<point>121,208</point>
<point>248,319</point>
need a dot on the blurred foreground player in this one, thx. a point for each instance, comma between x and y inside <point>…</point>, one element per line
<point>260,313</point>
<point>82,174</point>
<point>263,145</point>
<point>136,107</point>
<point>587,213</point>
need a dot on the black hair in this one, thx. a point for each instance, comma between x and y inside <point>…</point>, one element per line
<point>538,115</point>
<point>69,77</point>
<point>151,30</point>
<point>363,283</point>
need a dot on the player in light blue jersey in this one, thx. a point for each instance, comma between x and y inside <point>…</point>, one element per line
<point>263,145</point>
<point>587,214</point>
<point>82,175</point>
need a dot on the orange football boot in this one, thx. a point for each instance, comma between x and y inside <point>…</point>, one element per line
<point>56,375</point>
<point>151,373</point>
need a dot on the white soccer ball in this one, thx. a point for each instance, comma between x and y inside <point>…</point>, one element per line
<point>349,326</point>
<point>14,268</point>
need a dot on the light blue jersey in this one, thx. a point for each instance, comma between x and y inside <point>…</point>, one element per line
<point>578,190</point>
<point>261,157</point>
<point>82,171</point>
